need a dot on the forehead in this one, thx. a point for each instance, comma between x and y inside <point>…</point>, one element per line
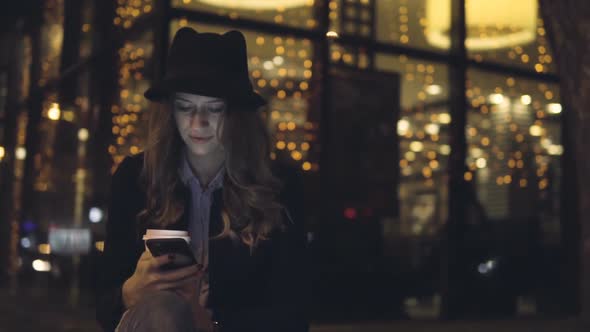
<point>195,98</point>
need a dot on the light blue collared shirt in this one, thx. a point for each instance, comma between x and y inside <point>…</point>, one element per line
<point>200,208</point>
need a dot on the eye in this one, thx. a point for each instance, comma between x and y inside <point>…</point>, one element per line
<point>216,109</point>
<point>182,107</point>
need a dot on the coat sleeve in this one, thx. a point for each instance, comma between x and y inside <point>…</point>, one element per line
<point>288,293</point>
<point>120,253</point>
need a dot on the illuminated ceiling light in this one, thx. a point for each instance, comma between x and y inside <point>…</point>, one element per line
<point>2,152</point>
<point>257,4</point>
<point>332,34</point>
<point>526,99</point>
<point>434,89</point>
<point>83,134</point>
<point>496,98</point>
<point>54,113</point>
<point>554,108</point>
<point>503,23</point>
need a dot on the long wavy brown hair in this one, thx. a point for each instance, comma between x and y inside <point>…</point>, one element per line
<point>251,210</point>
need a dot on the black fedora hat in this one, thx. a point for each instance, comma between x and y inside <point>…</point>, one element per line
<point>208,64</point>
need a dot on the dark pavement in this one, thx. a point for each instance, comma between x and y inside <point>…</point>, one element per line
<point>51,310</point>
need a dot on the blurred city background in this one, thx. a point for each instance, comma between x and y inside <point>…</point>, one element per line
<point>436,180</point>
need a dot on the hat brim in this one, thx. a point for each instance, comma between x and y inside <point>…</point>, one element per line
<point>163,89</point>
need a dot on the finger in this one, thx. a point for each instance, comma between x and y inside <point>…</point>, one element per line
<point>158,261</point>
<point>184,286</point>
<point>146,255</point>
<point>179,274</point>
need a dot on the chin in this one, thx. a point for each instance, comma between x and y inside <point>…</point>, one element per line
<point>200,151</point>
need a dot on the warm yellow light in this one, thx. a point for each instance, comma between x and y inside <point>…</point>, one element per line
<point>444,118</point>
<point>526,99</point>
<point>305,146</point>
<point>444,149</point>
<point>481,163</point>
<point>291,146</point>
<point>403,126</point>
<point>21,153</point>
<point>306,166</point>
<point>416,146</point>
<point>535,130</point>
<point>554,108</point>
<point>332,34</point>
<point>281,145</point>
<point>44,248</point>
<point>257,4</point>
<point>468,176</point>
<point>496,98</point>
<point>296,155</point>
<point>99,245</point>
<point>434,89</point>
<point>54,112</point>
<point>2,152</point>
<point>83,134</point>
<point>69,116</point>
<point>504,23</point>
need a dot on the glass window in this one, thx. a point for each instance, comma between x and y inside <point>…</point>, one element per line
<point>296,13</point>
<point>281,71</point>
<point>508,32</point>
<point>129,11</point>
<point>52,34</point>
<point>423,134</point>
<point>128,117</point>
<point>414,23</point>
<point>514,157</point>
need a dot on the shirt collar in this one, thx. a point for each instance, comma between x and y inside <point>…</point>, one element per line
<point>187,176</point>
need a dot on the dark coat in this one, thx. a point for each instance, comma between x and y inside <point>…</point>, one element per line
<point>265,291</point>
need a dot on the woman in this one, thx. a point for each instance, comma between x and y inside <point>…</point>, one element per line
<point>205,170</point>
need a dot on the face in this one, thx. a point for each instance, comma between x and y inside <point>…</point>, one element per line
<point>199,120</point>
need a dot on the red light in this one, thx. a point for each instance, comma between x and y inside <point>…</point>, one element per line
<point>350,213</point>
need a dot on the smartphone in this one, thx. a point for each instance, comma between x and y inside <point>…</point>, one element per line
<point>180,248</point>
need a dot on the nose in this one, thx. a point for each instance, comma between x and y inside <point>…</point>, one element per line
<point>199,119</point>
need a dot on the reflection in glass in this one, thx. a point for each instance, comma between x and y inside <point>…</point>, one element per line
<point>513,158</point>
<point>297,13</point>
<point>128,11</point>
<point>402,22</point>
<point>423,131</point>
<point>128,114</point>
<point>507,32</point>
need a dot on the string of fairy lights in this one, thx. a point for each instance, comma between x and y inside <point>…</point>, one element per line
<point>128,11</point>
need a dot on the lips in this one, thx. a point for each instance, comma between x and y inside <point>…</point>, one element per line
<point>201,139</point>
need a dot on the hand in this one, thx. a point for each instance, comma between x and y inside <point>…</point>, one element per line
<point>148,277</point>
<point>202,317</point>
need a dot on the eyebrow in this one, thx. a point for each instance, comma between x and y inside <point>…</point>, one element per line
<point>208,102</point>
